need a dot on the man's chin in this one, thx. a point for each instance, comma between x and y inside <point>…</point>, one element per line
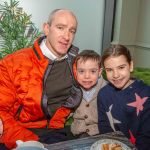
<point>64,49</point>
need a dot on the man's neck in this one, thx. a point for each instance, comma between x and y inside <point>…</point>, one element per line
<point>48,53</point>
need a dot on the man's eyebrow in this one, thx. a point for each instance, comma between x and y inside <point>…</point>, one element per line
<point>60,24</point>
<point>64,25</point>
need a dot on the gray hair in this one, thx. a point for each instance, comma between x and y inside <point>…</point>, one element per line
<point>52,14</point>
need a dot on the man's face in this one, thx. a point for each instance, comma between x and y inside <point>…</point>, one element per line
<point>118,71</point>
<point>60,33</point>
<point>88,73</point>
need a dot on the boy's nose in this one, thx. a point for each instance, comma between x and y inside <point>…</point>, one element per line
<point>87,75</point>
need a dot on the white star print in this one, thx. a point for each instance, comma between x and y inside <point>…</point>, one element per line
<point>111,119</point>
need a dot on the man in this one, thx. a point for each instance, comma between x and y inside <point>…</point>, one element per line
<point>38,90</point>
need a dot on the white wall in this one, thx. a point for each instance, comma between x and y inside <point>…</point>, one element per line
<point>132,23</point>
<point>143,25</point>
<point>126,22</point>
<point>89,14</point>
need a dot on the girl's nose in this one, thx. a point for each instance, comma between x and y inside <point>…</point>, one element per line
<point>115,74</point>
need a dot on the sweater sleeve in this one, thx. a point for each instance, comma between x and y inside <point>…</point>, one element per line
<point>143,134</point>
<point>59,118</point>
<point>102,106</point>
<point>10,129</point>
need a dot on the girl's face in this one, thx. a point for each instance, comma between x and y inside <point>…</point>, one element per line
<point>88,73</point>
<point>118,71</point>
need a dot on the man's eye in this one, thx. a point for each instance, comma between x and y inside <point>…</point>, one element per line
<point>60,27</point>
<point>72,31</point>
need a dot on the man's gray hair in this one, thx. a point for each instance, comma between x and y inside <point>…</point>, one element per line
<point>50,18</point>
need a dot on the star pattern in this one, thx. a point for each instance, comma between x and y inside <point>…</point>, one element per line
<point>138,103</point>
<point>132,138</point>
<point>111,119</point>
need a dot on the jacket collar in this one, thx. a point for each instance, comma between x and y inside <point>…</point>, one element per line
<point>37,49</point>
<point>73,51</point>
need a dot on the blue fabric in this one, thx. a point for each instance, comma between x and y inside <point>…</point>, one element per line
<point>116,114</point>
<point>3,147</point>
<point>50,136</point>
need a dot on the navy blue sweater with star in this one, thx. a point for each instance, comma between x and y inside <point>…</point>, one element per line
<point>127,111</point>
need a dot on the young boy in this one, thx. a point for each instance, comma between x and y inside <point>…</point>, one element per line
<point>87,71</point>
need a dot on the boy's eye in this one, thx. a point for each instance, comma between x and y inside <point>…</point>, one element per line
<point>80,71</point>
<point>94,71</point>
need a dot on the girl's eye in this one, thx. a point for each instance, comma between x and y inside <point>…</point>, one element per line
<point>122,67</point>
<point>108,70</point>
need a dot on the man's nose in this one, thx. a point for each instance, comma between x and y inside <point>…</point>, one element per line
<point>66,35</point>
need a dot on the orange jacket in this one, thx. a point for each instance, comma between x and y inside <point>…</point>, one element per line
<point>21,96</point>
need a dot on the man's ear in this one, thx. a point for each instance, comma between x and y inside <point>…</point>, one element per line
<point>46,28</point>
<point>131,66</point>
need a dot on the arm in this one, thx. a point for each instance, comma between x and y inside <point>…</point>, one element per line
<point>143,133</point>
<point>59,118</point>
<point>102,106</point>
<point>12,131</point>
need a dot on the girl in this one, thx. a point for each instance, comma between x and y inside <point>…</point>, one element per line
<point>124,104</point>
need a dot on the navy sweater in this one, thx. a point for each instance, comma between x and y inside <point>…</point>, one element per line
<point>127,111</point>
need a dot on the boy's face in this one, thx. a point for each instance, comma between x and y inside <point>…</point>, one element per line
<point>88,73</point>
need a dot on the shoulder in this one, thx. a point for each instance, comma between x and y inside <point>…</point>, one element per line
<point>105,93</point>
<point>19,53</point>
<point>141,87</point>
<point>19,56</point>
<point>106,89</point>
<point>102,80</point>
<point>73,51</point>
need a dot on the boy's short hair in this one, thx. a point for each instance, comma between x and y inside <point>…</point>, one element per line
<point>88,54</point>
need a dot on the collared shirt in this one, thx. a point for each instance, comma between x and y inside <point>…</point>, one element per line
<point>47,52</point>
<point>88,95</point>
